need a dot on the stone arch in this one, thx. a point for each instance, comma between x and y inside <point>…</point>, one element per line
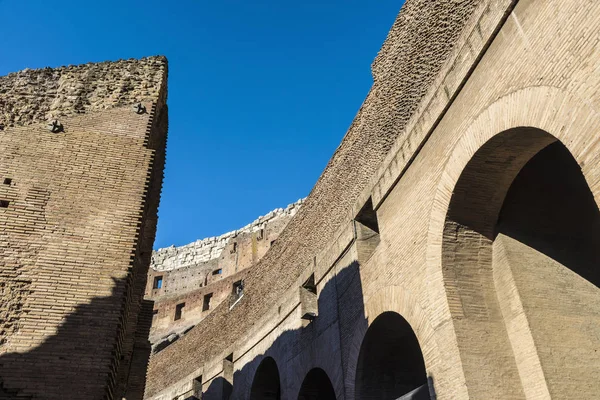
<point>399,300</point>
<point>390,363</point>
<point>266,384</point>
<point>316,386</point>
<point>491,238</point>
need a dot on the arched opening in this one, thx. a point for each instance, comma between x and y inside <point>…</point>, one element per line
<point>316,386</point>
<point>390,363</point>
<point>520,263</point>
<point>266,384</point>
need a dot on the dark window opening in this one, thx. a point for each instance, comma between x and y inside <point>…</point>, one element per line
<point>4,203</point>
<point>368,217</point>
<point>157,282</point>
<point>217,271</point>
<point>234,248</point>
<point>179,311</point>
<point>238,289</point>
<point>206,302</point>
<point>260,234</point>
<point>7,181</point>
<point>272,242</point>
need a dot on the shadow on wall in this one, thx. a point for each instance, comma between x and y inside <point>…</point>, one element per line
<point>75,363</point>
<point>277,374</point>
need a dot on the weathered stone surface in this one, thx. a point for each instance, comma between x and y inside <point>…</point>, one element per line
<point>204,250</point>
<point>477,151</point>
<point>40,95</point>
<point>77,223</point>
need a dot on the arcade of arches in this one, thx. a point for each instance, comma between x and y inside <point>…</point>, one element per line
<point>535,227</point>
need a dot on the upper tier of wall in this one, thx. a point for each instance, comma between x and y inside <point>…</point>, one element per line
<point>204,250</point>
<point>31,96</point>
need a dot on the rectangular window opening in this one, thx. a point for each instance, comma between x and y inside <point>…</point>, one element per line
<point>7,181</point>
<point>4,203</point>
<point>260,234</point>
<point>206,302</point>
<point>158,280</point>
<point>179,311</point>
<point>217,271</point>
<point>234,248</point>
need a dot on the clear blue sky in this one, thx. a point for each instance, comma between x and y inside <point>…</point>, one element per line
<point>261,92</point>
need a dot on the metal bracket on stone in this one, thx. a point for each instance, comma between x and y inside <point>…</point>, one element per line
<point>139,108</point>
<point>55,126</point>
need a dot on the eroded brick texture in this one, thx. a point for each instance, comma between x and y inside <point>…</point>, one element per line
<point>422,39</point>
<point>77,224</point>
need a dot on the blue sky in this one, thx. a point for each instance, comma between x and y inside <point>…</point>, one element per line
<point>260,92</point>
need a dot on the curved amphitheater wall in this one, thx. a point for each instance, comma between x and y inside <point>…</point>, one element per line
<point>530,63</point>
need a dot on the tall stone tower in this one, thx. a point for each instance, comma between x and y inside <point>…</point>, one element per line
<point>82,150</point>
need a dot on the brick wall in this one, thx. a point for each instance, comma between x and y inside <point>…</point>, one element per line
<point>78,226</point>
<point>495,314</point>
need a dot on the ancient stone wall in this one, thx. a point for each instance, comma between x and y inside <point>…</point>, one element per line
<point>77,223</point>
<point>423,41</point>
<point>203,268</point>
<point>476,235</point>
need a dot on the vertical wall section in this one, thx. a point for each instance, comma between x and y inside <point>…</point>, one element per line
<point>78,214</point>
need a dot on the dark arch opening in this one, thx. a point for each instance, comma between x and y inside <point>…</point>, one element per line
<point>550,207</point>
<point>266,384</point>
<point>316,386</point>
<point>390,362</point>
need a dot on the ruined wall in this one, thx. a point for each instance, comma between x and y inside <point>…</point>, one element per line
<point>206,267</point>
<point>491,283</point>
<point>77,224</point>
<point>189,267</point>
<point>422,41</point>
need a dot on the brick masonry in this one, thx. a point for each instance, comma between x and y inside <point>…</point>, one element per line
<point>478,149</point>
<point>77,226</point>
<point>207,267</point>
